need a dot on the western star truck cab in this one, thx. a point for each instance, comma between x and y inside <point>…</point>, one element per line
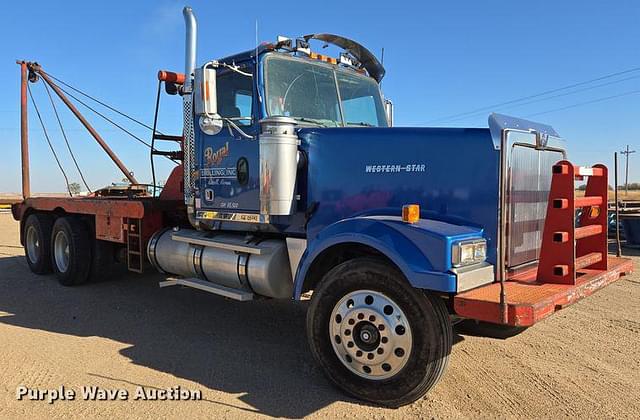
<point>293,183</point>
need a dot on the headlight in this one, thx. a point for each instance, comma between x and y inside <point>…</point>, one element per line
<point>468,252</point>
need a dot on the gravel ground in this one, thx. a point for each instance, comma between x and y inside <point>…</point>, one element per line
<point>251,359</point>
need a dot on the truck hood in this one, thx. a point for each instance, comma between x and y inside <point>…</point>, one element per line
<point>452,173</point>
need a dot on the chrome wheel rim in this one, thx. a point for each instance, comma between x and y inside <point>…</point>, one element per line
<point>33,244</point>
<point>61,251</point>
<point>370,334</point>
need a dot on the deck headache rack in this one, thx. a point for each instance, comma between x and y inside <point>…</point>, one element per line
<point>573,259</point>
<point>569,246</point>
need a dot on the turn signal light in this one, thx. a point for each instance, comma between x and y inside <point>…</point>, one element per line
<point>410,213</point>
<point>594,212</point>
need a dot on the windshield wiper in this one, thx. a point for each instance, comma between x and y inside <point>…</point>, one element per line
<point>314,121</point>
<point>361,123</point>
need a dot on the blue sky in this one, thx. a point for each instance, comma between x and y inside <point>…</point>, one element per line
<point>442,58</point>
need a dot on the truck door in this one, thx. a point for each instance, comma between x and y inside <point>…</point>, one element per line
<point>228,162</point>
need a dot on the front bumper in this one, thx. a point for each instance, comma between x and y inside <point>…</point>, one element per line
<point>529,301</point>
<point>473,276</point>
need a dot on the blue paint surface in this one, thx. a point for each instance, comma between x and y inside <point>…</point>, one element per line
<point>459,184</point>
<point>422,251</point>
<point>356,182</point>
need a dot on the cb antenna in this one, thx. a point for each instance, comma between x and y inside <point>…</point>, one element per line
<point>256,73</point>
<point>381,63</point>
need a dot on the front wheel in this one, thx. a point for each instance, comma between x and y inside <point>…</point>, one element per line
<point>376,337</point>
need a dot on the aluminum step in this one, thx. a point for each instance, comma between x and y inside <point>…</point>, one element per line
<point>206,286</point>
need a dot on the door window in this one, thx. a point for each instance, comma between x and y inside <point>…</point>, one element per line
<point>235,97</point>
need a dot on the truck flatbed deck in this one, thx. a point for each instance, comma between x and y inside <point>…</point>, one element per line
<point>530,301</point>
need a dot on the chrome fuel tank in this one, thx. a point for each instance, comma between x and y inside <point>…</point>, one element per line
<point>254,265</point>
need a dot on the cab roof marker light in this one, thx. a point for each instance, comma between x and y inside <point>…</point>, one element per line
<point>346,60</point>
<point>284,43</point>
<point>302,46</point>
<point>324,58</point>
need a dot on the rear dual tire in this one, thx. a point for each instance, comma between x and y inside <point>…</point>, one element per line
<point>71,250</point>
<point>37,242</point>
<point>376,337</point>
<point>66,247</point>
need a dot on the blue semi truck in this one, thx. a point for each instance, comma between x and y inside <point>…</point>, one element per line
<point>294,185</point>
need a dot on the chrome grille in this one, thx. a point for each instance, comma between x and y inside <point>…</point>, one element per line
<point>529,181</point>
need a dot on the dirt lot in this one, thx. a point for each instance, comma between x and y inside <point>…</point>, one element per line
<point>251,359</point>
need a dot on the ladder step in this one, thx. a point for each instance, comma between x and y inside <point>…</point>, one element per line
<point>134,245</point>
<point>588,201</point>
<point>588,259</point>
<point>586,231</point>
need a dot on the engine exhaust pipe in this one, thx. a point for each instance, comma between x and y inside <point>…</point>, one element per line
<point>191,27</point>
<point>190,46</point>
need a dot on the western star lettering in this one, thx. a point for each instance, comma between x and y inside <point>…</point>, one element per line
<point>415,167</point>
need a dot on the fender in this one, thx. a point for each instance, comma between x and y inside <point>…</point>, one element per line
<point>422,251</point>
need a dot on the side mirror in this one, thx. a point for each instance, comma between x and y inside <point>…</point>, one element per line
<point>206,99</point>
<point>388,109</point>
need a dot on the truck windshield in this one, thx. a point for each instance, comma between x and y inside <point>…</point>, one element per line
<point>321,94</point>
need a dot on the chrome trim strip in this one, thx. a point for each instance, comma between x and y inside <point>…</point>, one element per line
<point>212,243</point>
<point>232,217</point>
<point>197,261</point>
<point>243,274</point>
<point>151,250</point>
<point>295,248</point>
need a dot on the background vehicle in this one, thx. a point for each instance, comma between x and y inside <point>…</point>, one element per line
<point>293,181</point>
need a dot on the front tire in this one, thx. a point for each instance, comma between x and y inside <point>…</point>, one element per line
<point>376,337</point>
<point>71,251</point>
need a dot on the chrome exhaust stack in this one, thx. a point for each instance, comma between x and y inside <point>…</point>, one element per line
<point>191,38</point>
<point>191,27</point>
